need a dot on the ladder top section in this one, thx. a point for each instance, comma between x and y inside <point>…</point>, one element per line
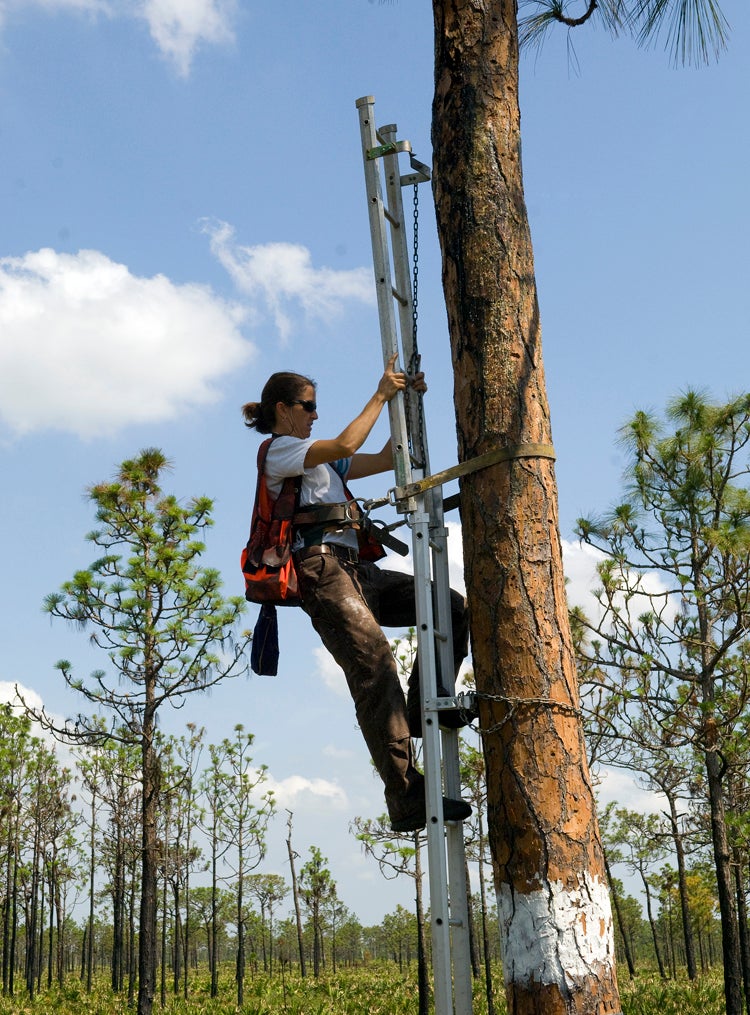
<point>420,172</point>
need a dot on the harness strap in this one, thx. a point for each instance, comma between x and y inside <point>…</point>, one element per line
<point>348,514</point>
<point>328,514</point>
<point>507,453</point>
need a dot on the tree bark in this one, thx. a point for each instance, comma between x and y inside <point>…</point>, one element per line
<point>557,935</point>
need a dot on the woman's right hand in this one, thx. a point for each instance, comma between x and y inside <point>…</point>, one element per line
<point>392,380</point>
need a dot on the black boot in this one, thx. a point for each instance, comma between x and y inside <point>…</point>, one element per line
<point>412,814</point>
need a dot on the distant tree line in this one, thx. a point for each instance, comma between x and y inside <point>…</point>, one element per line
<point>70,872</point>
<point>70,875</point>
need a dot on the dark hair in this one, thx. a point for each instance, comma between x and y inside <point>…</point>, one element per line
<point>281,387</point>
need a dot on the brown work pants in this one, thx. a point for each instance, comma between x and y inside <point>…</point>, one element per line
<point>347,604</point>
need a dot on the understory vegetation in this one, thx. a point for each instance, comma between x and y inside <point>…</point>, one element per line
<point>376,989</point>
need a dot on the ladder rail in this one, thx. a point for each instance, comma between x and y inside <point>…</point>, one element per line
<point>405,299</point>
<point>382,268</point>
<point>445,842</point>
<point>455,939</point>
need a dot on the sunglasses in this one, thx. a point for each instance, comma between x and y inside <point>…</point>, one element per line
<point>307,404</point>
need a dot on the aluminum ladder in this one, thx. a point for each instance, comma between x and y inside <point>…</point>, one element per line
<point>425,515</point>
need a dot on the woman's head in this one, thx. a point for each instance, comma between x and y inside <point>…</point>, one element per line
<point>284,387</point>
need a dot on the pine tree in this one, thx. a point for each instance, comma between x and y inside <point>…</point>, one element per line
<point>166,629</point>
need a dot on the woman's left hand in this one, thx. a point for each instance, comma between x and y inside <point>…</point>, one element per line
<point>418,382</point>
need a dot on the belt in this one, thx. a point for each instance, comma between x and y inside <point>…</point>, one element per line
<point>343,553</point>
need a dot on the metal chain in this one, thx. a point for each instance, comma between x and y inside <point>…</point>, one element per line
<point>418,456</point>
<point>517,703</point>
<point>415,272</point>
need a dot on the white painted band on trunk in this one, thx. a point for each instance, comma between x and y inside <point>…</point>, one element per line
<point>556,935</point>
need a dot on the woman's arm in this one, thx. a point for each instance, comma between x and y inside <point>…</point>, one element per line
<point>353,436</point>
<point>370,465</point>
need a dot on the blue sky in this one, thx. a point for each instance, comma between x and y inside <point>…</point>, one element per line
<point>183,212</point>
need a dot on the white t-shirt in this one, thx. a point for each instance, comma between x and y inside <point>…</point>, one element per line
<point>323,484</point>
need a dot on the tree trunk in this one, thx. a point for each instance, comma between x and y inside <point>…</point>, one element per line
<point>730,938</point>
<point>423,979</point>
<point>652,925</point>
<point>164,925</point>
<point>739,880</point>
<point>476,969</point>
<point>295,896</point>
<point>31,917</point>
<point>316,939</point>
<point>186,925</point>
<point>687,926</point>
<point>132,965</point>
<point>177,933</point>
<point>212,950</point>
<point>118,908</point>
<point>485,937</point>
<point>240,934</point>
<point>620,922</point>
<point>89,950</point>
<point>147,942</point>
<point>557,935</point>
<point>51,935</point>
<point>61,927</point>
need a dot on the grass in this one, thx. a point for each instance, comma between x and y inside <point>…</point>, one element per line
<point>368,990</point>
<point>650,995</point>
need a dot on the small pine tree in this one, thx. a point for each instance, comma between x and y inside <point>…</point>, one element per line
<point>166,628</point>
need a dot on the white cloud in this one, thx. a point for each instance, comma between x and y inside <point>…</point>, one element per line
<point>13,693</point>
<point>88,347</point>
<point>337,753</point>
<point>21,698</point>
<point>75,6</point>
<point>579,565</point>
<point>279,275</point>
<point>330,672</point>
<point>178,27</point>
<point>580,561</point>
<point>615,785</point>
<point>297,790</point>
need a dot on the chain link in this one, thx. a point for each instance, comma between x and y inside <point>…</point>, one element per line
<point>517,703</point>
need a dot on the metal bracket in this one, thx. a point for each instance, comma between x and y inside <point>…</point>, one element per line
<point>420,172</point>
<point>464,701</point>
<point>390,148</point>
